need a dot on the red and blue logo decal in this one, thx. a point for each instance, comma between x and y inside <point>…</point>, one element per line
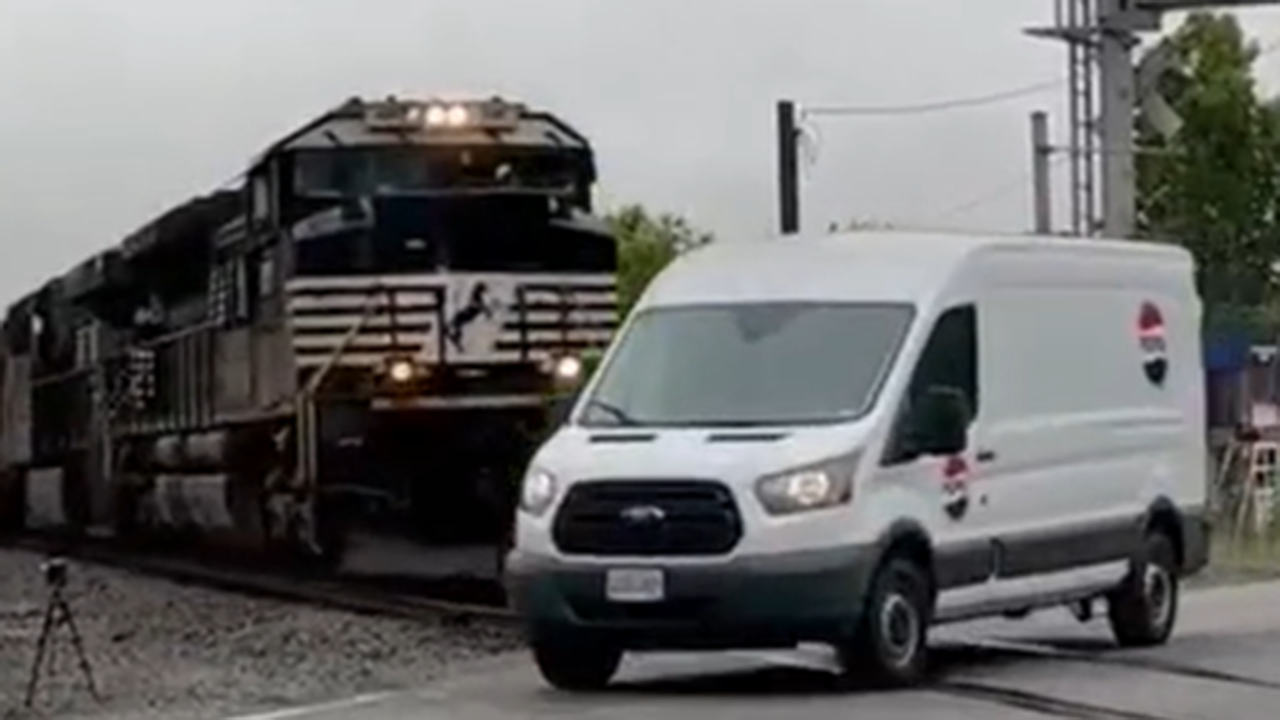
<point>955,487</point>
<point>1153,343</point>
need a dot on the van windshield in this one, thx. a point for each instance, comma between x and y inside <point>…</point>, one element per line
<point>775,363</point>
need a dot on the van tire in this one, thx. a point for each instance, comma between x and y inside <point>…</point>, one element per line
<point>890,647</point>
<point>576,666</point>
<point>1144,609</point>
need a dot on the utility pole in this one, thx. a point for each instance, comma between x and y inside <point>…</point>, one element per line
<point>1118,105</point>
<point>788,168</point>
<point>1041,153</point>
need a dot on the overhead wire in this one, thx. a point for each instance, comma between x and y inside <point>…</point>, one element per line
<point>934,106</point>
<point>958,103</point>
<point>993,193</point>
<point>999,191</point>
<point>810,136</point>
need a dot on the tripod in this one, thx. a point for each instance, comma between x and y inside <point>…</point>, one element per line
<point>57,613</point>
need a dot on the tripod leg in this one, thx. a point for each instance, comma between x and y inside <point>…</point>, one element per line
<point>42,644</point>
<point>78,643</point>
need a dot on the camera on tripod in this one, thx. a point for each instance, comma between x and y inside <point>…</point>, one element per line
<point>55,571</point>
<point>57,614</point>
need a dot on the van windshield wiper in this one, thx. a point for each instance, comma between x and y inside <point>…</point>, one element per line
<point>613,411</point>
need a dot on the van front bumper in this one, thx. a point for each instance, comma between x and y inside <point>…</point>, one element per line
<point>749,602</point>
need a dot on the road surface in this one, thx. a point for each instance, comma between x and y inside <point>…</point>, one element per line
<point>1223,663</point>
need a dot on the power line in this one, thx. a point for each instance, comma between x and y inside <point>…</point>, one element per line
<point>810,138</point>
<point>934,106</point>
<point>992,194</point>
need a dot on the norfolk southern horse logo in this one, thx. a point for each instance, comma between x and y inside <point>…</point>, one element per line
<point>479,305</point>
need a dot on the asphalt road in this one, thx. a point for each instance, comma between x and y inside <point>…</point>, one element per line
<point>1224,662</point>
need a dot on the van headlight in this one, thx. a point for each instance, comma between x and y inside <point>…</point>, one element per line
<point>537,492</point>
<point>812,487</point>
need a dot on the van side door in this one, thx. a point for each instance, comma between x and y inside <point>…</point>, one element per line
<point>1070,419</point>
<point>948,488</point>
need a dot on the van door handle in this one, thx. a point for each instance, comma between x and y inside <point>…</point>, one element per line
<point>985,456</point>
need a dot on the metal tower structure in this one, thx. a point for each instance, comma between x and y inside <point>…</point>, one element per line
<point>1105,93</point>
<point>1075,22</point>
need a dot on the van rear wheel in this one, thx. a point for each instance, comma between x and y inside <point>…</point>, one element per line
<point>1144,610</point>
<point>891,645</point>
<point>576,664</point>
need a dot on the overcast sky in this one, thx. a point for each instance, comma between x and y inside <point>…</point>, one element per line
<point>115,110</point>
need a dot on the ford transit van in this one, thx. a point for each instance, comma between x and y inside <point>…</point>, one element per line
<point>850,438</point>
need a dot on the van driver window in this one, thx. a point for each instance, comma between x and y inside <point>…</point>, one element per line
<point>950,357</point>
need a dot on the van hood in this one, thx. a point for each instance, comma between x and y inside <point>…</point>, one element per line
<point>731,455</point>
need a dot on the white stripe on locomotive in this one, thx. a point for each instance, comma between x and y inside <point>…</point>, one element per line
<point>403,310</point>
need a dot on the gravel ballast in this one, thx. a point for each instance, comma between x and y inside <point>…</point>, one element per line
<point>164,650</point>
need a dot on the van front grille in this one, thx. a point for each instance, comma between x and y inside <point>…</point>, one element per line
<point>651,518</point>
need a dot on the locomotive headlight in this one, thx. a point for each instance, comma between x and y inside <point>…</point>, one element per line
<point>564,370</point>
<point>457,116</point>
<point>436,115</point>
<point>568,368</point>
<point>400,371</point>
<point>447,116</point>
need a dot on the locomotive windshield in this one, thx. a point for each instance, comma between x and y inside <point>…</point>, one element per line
<point>418,169</point>
<point>504,234</point>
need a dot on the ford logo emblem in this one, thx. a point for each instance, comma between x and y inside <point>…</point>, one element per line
<point>644,515</point>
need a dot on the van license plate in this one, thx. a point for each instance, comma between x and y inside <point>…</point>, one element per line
<point>635,585</point>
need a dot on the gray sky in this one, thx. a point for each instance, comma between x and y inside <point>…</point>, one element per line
<point>116,110</point>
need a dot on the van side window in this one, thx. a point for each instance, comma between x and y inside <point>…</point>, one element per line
<point>950,358</point>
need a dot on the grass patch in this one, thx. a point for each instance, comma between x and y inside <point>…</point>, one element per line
<point>1240,558</point>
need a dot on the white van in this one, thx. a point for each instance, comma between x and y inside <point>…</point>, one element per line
<point>848,438</point>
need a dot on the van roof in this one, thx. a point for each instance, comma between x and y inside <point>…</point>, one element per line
<point>890,265</point>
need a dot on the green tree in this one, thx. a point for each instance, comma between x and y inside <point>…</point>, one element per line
<point>647,241</point>
<point>1212,187</point>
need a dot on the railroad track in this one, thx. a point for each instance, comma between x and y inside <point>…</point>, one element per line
<point>356,595</point>
<point>378,599</point>
<point>1052,705</point>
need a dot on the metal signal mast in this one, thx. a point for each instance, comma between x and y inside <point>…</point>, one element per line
<point>1106,91</point>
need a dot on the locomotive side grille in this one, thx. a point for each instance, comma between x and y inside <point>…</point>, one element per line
<point>531,316</point>
<point>654,518</point>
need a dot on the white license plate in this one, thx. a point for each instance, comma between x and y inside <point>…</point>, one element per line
<point>635,585</point>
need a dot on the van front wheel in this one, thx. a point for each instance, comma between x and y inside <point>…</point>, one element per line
<point>891,645</point>
<point>569,664</point>
<point>1144,609</point>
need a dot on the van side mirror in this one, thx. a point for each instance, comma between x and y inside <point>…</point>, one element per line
<point>938,422</point>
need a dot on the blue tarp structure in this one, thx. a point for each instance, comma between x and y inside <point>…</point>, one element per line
<point>1226,352</point>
